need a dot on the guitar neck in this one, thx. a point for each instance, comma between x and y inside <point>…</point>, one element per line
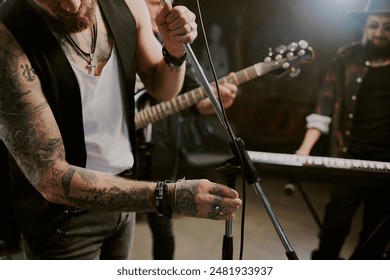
<point>185,100</point>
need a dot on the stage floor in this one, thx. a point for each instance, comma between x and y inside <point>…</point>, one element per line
<point>202,239</point>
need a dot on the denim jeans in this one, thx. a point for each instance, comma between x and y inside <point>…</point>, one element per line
<point>92,235</point>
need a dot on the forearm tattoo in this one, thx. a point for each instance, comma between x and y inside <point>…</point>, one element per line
<point>112,197</point>
<point>53,180</point>
<point>146,77</point>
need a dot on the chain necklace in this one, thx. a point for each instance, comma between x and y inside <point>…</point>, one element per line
<point>88,56</point>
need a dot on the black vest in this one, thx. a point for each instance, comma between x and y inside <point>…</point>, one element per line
<point>41,221</point>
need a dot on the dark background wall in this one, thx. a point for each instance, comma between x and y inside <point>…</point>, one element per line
<point>270,111</point>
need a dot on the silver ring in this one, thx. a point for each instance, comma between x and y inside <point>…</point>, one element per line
<point>217,210</point>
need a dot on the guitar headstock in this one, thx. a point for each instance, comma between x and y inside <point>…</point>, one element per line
<point>286,58</point>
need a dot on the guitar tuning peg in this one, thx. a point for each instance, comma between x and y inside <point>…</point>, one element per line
<point>303,44</point>
<point>270,52</point>
<point>293,46</point>
<point>302,52</point>
<point>295,72</point>
<point>281,49</point>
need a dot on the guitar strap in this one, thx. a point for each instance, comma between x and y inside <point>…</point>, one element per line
<point>144,139</point>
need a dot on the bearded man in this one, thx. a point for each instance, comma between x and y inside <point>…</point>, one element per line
<point>354,107</point>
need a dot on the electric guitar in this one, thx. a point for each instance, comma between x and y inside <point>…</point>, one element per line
<point>283,58</point>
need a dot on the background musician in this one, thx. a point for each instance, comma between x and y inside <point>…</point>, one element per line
<point>353,107</point>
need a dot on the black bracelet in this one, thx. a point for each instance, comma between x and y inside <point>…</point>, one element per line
<point>173,62</point>
<point>161,196</point>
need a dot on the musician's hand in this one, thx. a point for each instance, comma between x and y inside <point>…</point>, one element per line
<point>302,152</point>
<point>177,26</point>
<point>228,94</point>
<point>205,199</point>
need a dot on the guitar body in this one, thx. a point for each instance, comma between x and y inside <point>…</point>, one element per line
<point>157,149</point>
<point>166,156</point>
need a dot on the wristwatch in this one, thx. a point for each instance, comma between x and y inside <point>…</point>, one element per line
<point>172,62</point>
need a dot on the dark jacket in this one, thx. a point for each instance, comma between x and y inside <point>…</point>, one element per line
<point>338,96</point>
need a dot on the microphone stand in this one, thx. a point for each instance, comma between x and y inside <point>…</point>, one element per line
<point>230,170</point>
<point>238,148</point>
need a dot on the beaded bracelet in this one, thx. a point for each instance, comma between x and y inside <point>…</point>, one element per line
<point>161,196</point>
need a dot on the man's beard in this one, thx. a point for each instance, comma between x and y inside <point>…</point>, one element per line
<point>62,21</point>
<point>377,52</point>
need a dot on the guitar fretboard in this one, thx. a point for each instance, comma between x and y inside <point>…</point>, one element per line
<point>186,100</point>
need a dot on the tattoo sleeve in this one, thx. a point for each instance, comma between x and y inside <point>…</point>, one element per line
<point>105,192</point>
<point>21,119</point>
<point>30,132</point>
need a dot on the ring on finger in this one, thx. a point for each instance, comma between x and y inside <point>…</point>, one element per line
<point>218,209</point>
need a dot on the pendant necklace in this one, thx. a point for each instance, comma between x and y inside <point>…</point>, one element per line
<point>88,56</point>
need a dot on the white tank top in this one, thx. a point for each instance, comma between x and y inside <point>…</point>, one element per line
<point>105,130</point>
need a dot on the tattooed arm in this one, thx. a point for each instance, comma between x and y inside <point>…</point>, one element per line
<point>30,132</point>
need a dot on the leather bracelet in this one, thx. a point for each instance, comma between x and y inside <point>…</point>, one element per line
<point>173,62</point>
<point>168,210</point>
<point>161,197</point>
